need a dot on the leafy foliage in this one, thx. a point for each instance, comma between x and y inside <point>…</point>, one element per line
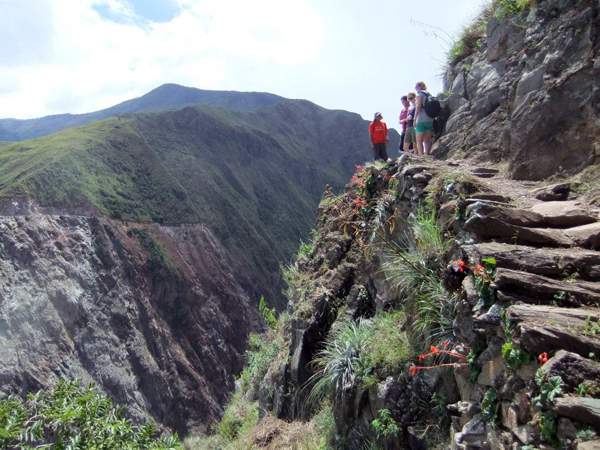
<point>483,280</point>
<point>514,357</point>
<point>384,425</point>
<point>74,417</point>
<point>549,388</point>
<point>489,406</point>
<point>510,7</point>
<point>263,349</point>
<point>268,314</point>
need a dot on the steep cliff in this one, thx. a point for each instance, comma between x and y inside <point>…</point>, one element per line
<point>151,324</point>
<point>528,96</point>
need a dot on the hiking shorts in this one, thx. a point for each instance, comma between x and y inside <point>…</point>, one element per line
<point>409,136</point>
<point>424,127</point>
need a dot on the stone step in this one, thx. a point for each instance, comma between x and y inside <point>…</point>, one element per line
<point>547,329</point>
<point>484,172</point>
<point>488,196</point>
<point>548,290</point>
<point>564,214</point>
<point>553,263</point>
<point>520,226</point>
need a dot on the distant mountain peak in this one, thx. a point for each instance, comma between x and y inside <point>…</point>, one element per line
<point>166,97</point>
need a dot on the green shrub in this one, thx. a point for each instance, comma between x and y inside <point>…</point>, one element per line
<point>511,7</point>
<point>389,348</point>
<point>268,314</point>
<point>239,417</point>
<point>470,37</point>
<point>325,428</point>
<point>384,425</point>
<point>263,349</point>
<point>71,416</point>
<point>159,262</point>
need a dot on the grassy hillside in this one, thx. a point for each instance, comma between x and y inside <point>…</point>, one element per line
<point>167,97</point>
<point>255,178</point>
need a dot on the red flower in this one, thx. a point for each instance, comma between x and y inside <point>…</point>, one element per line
<point>389,177</point>
<point>480,268</point>
<point>434,349</point>
<point>543,358</point>
<point>413,369</point>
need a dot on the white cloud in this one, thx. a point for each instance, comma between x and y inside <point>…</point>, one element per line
<point>83,55</point>
<point>83,60</point>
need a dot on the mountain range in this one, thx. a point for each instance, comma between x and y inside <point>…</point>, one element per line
<point>253,174</point>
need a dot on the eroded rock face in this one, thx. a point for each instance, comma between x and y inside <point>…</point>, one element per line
<point>530,96</point>
<point>78,299</point>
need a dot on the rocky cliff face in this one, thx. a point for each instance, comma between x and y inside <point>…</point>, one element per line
<point>160,328</point>
<point>529,98</point>
<point>533,290</point>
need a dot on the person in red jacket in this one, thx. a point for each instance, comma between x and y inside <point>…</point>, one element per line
<point>379,138</point>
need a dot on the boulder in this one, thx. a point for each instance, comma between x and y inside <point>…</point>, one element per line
<point>559,191</point>
<point>572,368</point>
<point>473,434</point>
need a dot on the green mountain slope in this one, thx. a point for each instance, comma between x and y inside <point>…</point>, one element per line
<point>255,178</point>
<point>164,98</point>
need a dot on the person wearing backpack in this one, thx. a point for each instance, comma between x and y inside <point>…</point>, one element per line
<point>424,127</point>
<point>379,137</point>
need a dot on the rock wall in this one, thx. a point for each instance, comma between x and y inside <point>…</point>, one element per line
<point>544,301</point>
<point>530,98</point>
<point>80,298</point>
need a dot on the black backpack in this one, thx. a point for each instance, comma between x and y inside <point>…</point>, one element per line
<point>432,105</point>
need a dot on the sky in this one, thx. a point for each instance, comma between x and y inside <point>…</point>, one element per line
<point>77,56</point>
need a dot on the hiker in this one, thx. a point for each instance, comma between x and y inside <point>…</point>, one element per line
<point>409,136</point>
<point>402,120</point>
<point>379,137</point>
<point>424,123</point>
